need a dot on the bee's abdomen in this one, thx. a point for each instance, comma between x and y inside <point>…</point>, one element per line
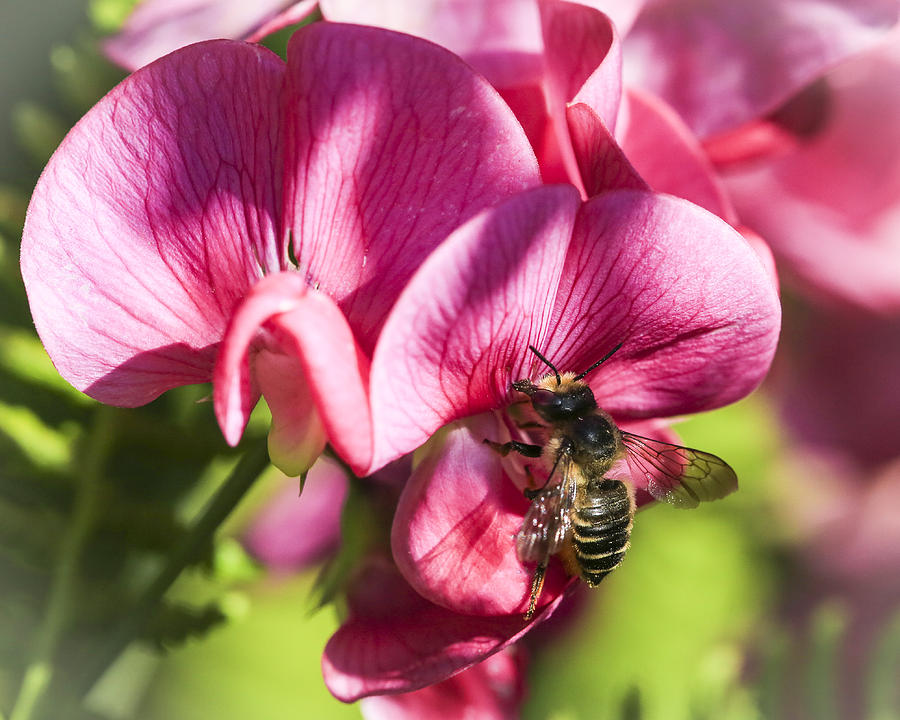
<point>601,526</point>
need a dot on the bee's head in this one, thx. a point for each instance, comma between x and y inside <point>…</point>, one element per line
<point>561,397</point>
<point>571,399</point>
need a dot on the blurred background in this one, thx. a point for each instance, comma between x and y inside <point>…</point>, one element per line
<point>782,601</point>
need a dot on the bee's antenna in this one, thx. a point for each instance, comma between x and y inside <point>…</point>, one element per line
<point>548,363</point>
<point>596,364</point>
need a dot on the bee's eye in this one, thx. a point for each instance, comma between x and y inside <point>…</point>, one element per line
<point>545,399</point>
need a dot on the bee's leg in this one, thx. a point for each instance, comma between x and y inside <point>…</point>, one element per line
<point>532,451</point>
<point>537,585</point>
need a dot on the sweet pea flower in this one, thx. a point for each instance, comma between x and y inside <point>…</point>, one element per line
<point>723,64</point>
<point>697,316</point>
<point>221,215</point>
<point>823,186</point>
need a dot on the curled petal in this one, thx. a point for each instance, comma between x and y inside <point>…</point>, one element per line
<point>395,641</point>
<point>584,64</point>
<point>282,315</point>
<point>601,162</point>
<point>461,329</point>
<point>694,308</point>
<point>155,215</point>
<point>384,162</point>
<point>454,527</point>
<point>721,64</point>
<point>297,436</point>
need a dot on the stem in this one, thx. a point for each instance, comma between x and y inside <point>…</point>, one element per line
<point>226,498</point>
<point>39,671</point>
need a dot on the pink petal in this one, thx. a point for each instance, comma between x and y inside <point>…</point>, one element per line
<point>297,436</point>
<point>157,27</point>
<point>396,641</point>
<point>583,59</point>
<point>152,219</point>
<point>293,15</point>
<point>491,690</point>
<point>668,156</point>
<point>454,527</point>
<point>601,162</point>
<point>294,530</point>
<point>283,315</point>
<point>459,333</point>
<point>831,207</point>
<point>394,143</point>
<point>501,39</point>
<point>686,295</point>
<point>721,64</point>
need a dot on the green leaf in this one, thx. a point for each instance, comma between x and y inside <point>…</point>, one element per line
<point>173,625</point>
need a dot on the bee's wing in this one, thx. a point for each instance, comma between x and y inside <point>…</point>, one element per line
<point>547,522</point>
<point>678,475</point>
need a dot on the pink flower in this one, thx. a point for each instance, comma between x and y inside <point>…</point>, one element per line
<point>835,382</point>
<point>290,533</point>
<point>698,318</point>
<point>221,215</point>
<point>828,197</point>
<point>722,64</point>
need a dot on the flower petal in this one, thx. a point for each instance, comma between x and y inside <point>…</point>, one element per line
<point>396,641</point>
<point>294,14</point>
<point>153,217</point>
<point>282,315</point>
<point>668,156</point>
<point>831,207</point>
<point>583,60</point>
<point>601,162</point>
<point>721,64</point>
<point>454,527</point>
<point>294,530</point>
<point>297,436</point>
<point>157,27</point>
<point>491,690</point>
<point>691,303</point>
<point>393,142</point>
<point>460,331</point>
<point>501,39</point>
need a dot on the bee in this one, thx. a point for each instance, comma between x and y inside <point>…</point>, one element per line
<point>580,514</point>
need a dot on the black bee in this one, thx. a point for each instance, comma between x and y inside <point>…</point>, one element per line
<point>579,514</point>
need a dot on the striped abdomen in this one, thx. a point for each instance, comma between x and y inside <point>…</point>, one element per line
<point>601,525</point>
